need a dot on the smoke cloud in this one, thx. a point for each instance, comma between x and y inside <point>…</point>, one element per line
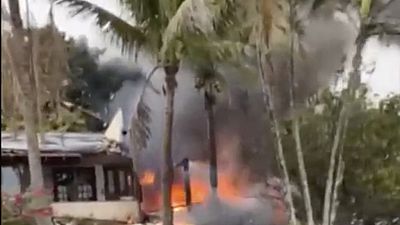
<point>239,110</point>
<point>244,145</point>
<point>325,43</point>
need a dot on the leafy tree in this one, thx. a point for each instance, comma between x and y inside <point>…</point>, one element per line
<point>19,54</point>
<point>89,86</point>
<point>370,153</point>
<point>150,20</point>
<point>50,70</point>
<point>372,150</point>
<point>154,30</point>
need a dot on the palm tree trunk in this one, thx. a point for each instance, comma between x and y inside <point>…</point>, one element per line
<point>303,173</point>
<point>354,84</point>
<point>38,87</point>
<point>34,160</point>
<point>33,47</point>
<point>332,162</point>
<point>338,178</point>
<point>295,123</point>
<point>209,105</point>
<point>35,167</point>
<point>26,85</point>
<point>167,163</point>
<point>338,181</point>
<point>268,98</point>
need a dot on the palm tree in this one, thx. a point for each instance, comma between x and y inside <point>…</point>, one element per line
<point>158,27</point>
<point>369,25</point>
<point>279,30</point>
<point>20,63</point>
<point>207,79</point>
<point>271,39</point>
<point>209,40</point>
<point>279,44</point>
<point>295,121</point>
<point>229,45</point>
<point>144,30</point>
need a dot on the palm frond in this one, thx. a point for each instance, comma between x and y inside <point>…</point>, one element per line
<point>208,76</point>
<point>195,17</point>
<point>123,32</point>
<point>140,130</point>
<point>146,12</point>
<point>200,49</point>
<point>183,22</point>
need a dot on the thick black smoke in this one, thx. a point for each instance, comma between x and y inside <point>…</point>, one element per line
<point>243,141</point>
<point>239,112</point>
<point>238,115</point>
<point>94,84</point>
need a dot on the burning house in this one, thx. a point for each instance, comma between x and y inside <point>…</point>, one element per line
<point>245,163</point>
<point>88,175</point>
<point>244,154</point>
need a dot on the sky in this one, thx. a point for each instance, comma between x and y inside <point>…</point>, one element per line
<point>386,58</point>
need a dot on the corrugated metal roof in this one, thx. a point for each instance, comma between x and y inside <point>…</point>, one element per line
<point>84,143</point>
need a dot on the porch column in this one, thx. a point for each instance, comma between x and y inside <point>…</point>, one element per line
<point>188,191</point>
<point>100,187</point>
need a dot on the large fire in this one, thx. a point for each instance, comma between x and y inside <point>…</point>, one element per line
<point>234,189</point>
<point>200,189</point>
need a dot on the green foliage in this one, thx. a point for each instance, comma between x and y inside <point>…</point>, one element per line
<point>197,23</point>
<point>371,153</point>
<point>142,29</point>
<point>373,150</point>
<point>207,33</point>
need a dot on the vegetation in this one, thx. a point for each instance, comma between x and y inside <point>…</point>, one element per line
<point>343,151</point>
<point>87,90</point>
<point>370,143</point>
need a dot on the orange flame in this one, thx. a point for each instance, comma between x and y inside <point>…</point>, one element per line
<point>200,190</point>
<point>147,178</point>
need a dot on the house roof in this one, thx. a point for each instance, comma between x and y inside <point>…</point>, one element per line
<point>56,143</point>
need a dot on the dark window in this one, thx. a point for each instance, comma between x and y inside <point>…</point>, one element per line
<point>117,182</point>
<point>74,184</point>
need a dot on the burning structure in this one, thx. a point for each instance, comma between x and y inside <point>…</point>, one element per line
<point>244,195</point>
<point>245,163</point>
<point>244,146</point>
<point>233,203</point>
<point>244,159</point>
